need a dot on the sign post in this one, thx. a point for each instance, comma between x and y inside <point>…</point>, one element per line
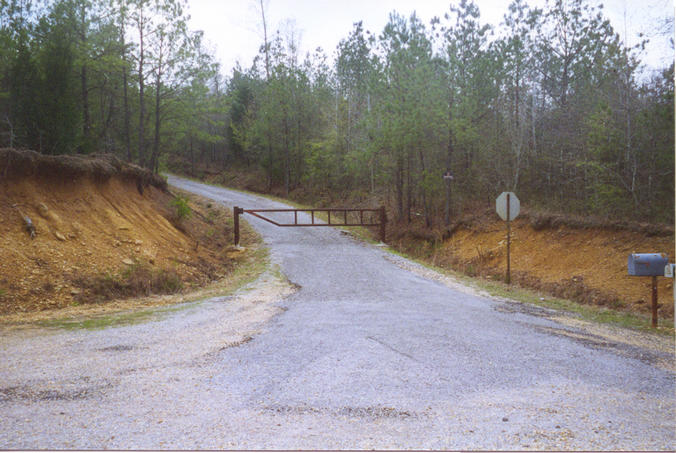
<point>448,177</point>
<point>508,207</point>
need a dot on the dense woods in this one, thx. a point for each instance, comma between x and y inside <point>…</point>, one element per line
<point>549,104</point>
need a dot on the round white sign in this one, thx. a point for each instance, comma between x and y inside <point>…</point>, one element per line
<point>501,206</point>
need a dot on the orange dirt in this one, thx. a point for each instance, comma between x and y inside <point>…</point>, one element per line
<point>557,258</point>
<point>92,231</point>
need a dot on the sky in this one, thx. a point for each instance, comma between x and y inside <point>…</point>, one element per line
<point>233,28</point>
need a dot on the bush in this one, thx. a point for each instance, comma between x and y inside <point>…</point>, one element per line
<point>182,210</point>
<point>137,280</point>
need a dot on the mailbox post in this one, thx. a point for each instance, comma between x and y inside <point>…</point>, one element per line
<point>669,273</point>
<point>648,265</point>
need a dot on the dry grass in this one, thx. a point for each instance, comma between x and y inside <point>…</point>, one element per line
<point>19,164</point>
<point>138,280</point>
<point>545,220</point>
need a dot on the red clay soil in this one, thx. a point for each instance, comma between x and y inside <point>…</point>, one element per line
<point>94,237</point>
<point>588,264</point>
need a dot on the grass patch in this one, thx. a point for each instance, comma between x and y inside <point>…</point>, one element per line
<point>137,280</point>
<point>113,320</point>
<point>586,312</point>
<point>516,293</point>
<point>250,267</point>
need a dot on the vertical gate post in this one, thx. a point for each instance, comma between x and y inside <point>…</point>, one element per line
<point>236,212</point>
<point>654,302</point>
<point>383,224</point>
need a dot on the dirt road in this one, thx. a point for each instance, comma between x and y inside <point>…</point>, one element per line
<point>364,354</point>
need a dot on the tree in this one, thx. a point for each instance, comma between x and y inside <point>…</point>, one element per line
<point>411,107</point>
<point>472,74</point>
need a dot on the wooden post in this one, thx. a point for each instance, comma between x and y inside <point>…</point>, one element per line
<point>654,322</point>
<point>447,207</point>
<point>236,212</point>
<point>508,278</point>
<point>383,224</point>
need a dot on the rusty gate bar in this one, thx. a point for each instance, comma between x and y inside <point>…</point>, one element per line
<point>237,211</point>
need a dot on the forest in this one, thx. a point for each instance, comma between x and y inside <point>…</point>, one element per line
<point>550,104</point>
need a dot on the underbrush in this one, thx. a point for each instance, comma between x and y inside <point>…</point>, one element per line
<point>137,280</point>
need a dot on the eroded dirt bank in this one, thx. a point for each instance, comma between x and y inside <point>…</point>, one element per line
<point>103,230</point>
<point>587,265</point>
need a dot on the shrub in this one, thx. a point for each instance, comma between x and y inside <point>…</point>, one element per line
<point>137,280</point>
<point>182,210</point>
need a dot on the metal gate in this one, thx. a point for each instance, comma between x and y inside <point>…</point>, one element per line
<point>342,220</point>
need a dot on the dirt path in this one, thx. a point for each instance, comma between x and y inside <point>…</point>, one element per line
<point>365,354</point>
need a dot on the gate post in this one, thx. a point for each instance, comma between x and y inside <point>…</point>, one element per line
<point>383,223</point>
<point>236,212</point>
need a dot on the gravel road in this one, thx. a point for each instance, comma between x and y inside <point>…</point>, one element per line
<point>366,353</point>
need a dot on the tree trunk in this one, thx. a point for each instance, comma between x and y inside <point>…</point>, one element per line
<point>409,188</point>
<point>449,156</point>
<point>156,141</point>
<point>424,195</point>
<point>192,158</point>
<point>399,182</point>
<point>287,155</point>
<point>125,94</point>
<point>141,130</point>
<point>86,119</point>
<point>158,85</point>
<point>127,135</point>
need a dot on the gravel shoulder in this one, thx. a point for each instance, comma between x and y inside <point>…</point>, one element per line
<point>59,386</point>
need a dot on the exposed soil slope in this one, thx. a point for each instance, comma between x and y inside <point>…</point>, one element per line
<point>104,229</point>
<point>584,264</point>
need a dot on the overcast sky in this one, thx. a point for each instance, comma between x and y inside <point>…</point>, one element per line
<point>233,28</point>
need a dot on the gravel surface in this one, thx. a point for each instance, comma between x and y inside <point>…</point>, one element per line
<point>366,353</point>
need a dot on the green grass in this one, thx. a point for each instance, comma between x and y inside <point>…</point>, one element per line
<point>181,207</point>
<point>114,320</point>
<point>592,313</point>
